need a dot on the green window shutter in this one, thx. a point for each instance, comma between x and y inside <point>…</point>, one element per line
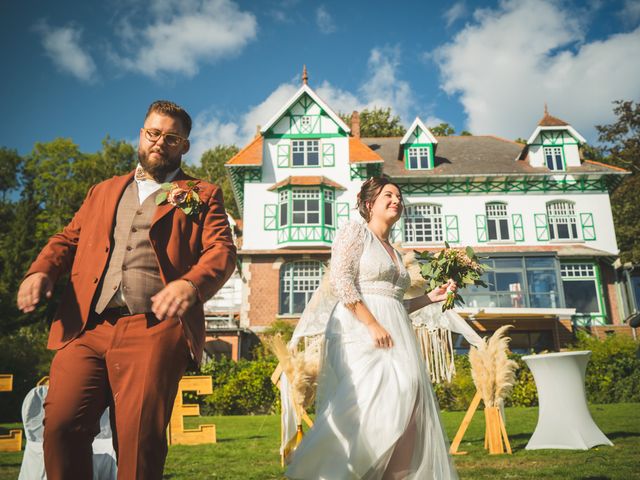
<point>451,223</point>
<point>270,216</point>
<point>283,155</point>
<point>542,227</point>
<point>342,213</point>
<point>481,227</point>
<point>518,227</point>
<point>588,228</point>
<point>328,155</point>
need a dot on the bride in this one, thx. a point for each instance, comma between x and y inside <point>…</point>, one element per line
<point>377,416</point>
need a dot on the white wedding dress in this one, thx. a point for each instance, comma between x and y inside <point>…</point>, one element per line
<point>377,416</point>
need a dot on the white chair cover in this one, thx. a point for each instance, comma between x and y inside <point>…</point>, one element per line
<point>104,456</point>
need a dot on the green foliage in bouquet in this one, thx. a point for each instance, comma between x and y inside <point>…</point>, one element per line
<point>463,267</point>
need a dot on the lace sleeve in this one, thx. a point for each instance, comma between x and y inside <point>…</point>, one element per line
<point>345,257</point>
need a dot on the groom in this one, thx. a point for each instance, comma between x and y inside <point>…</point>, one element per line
<point>131,316</point>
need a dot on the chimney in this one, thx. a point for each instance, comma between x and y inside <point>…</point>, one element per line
<point>355,124</point>
<point>257,131</point>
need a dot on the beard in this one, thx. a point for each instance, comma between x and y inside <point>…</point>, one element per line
<point>159,167</point>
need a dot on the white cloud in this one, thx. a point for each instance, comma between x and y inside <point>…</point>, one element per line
<point>509,62</point>
<point>209,130</point>
<point>630,13</point>
<point>182,34</point>
<point>382,89</point>
<point>63,46</point>
<point>455,13</point>
<point>324,20</point>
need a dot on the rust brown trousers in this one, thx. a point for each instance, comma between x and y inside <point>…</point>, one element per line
<point>132,363</point>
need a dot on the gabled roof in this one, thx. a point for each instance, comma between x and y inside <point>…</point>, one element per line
<point>249,156</point>
<point>572,131</point>
<point>418,123</point>
<point>472,156</point>
<point>306,180</point>
<point>361,153</point>
<point>314,96</point>
<point>549,122</point>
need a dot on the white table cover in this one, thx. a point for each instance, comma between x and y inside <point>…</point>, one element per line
<point>564,420</point>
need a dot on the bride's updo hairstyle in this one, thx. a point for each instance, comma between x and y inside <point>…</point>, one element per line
<point>369,192</point>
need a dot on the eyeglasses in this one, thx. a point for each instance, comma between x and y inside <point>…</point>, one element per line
<point>171,139</point>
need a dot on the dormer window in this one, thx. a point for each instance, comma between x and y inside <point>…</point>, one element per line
<point>553,158</point>
<point>418,146</point>
<point>418,158</point>
<point>305,153</point>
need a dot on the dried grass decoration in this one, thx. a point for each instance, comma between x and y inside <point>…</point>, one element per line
<point>494,376</point>
<point>301,368</point>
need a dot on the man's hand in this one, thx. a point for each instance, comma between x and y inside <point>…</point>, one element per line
<point>32,289</point>
<point>174,299</point>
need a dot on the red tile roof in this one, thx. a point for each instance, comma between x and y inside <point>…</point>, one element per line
<point>551,121</point>
<point>306,181</point>
<point>249,155</point>
<point>361,153</point>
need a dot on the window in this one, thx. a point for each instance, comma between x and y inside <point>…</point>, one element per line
<point>306,207</point>
<point>517,282</point>
<point>418,158</point>
<point>284,208</point>
<point>305,124</point>
<point>305,153</point>
<point>298,281</point>
<point>579,282</point>
<point>553,158</point>
<point>497,221</point>
<point>423,224</point>
<point>328,207</point>
<point>562,221</point>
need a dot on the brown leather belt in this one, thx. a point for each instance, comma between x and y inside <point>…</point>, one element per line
<point>116,312</point>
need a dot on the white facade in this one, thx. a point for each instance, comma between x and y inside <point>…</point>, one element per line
<point>548,212</point>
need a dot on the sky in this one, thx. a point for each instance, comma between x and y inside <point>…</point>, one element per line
<point>84,70</point>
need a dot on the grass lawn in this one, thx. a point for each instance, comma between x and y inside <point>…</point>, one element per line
<point>247,448</point>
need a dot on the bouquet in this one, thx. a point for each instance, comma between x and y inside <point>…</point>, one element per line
<point>463,267</point>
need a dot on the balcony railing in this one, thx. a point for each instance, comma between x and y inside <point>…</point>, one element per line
<point>306,234</point>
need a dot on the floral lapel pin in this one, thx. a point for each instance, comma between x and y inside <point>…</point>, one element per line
<point>186,199</point>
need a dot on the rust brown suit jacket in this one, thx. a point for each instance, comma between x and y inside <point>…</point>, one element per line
<point>197,248</point>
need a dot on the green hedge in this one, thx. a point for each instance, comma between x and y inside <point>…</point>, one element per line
<point>23,354</point>
<point>613,375</point>
<point>241,388</point>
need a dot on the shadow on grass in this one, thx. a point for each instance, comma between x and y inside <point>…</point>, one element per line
<point>613,435</point>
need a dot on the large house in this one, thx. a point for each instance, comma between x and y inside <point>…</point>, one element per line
<point>538,211</point>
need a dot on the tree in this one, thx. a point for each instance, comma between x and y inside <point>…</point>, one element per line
<point>10,164</point>
<point>442,130</point>
<point>377,122</point>
<point>621,148</point>
<point>60,176</point>
<point>212,169</point>
<point>466,133</point>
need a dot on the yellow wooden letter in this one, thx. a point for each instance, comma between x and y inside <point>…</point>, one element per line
<point>176,433</point>
<point>12,442</point>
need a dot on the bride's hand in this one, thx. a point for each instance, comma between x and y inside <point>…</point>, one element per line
<point>380,336</point>
<point>439,294</point>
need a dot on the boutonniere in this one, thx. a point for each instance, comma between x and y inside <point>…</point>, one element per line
<point>186,199</point>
